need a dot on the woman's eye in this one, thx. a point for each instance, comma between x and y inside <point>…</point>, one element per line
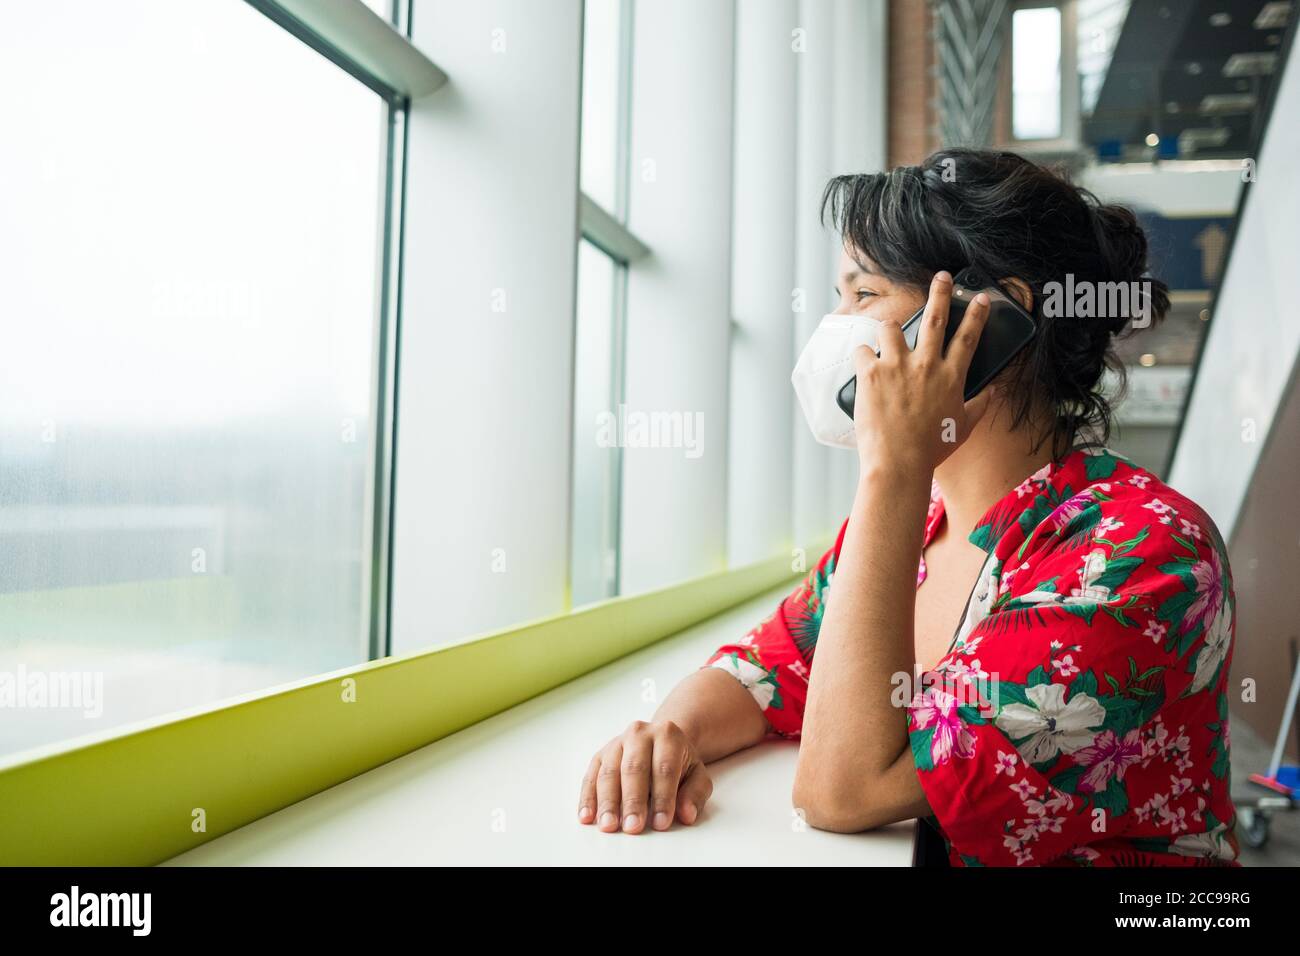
<point>864,293</point>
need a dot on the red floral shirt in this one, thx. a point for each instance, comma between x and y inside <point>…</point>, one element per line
<point>1081,715</point>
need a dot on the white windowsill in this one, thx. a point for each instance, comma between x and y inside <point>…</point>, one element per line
<point>505,791</point>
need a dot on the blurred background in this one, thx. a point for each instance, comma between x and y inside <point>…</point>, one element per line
<point>299,369</point>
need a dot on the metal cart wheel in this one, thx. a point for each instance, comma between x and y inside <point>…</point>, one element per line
<point>1253,827</point>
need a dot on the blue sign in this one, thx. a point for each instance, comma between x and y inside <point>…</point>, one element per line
<point>1187,253</point>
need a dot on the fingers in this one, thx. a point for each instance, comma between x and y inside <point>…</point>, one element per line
<point>647,777</point>
<point>695,790</point>
<point>609,788</point>
<point>967,337</point>
<point>929,342</point>
<point>890,341</point>
<point>669,757</point>
<point>587,795</point>
<point>634,777</point>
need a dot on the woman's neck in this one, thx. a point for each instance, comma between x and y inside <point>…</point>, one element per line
<point>988,465</point>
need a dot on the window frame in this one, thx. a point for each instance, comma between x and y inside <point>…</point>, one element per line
<point>379,54</point>
<point>1069,139</point>
<point>608,232</point>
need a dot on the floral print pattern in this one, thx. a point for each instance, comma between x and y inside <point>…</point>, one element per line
<point>1080,717</point>
<point>1046,725</point>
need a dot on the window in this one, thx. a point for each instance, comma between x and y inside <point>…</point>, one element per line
<point>596,449</point>
<point>1100,23</point>
<point>1036,73</point>
<point>192,283</point>
<point>603,96</point>
<point>603,257</point>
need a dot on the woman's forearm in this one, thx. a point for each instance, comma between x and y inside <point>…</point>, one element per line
<point>853,734</point>
<point>715,712</point>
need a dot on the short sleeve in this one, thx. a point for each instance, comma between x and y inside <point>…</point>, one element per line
<point>773,660</point>
<point>1086,704</point>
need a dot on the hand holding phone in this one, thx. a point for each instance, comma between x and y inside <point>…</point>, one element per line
<point>1009,329</point>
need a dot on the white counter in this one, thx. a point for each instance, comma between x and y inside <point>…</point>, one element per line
<point>505,791</point>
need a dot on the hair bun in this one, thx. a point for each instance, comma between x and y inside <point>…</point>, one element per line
<point>1120,241</point>
<point>1122,248</point>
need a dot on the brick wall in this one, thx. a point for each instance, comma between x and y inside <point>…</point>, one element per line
<point>912,119</point>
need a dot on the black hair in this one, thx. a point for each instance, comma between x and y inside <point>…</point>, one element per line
<point>1009,218</point>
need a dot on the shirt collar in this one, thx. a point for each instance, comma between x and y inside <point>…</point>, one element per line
<point>1040,492</point>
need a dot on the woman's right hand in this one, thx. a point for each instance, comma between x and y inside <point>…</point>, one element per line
<point>650,770</point>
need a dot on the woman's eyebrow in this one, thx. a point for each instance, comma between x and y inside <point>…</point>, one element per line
<point>861,272</point>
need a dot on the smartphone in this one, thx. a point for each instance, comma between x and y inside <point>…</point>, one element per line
<point>1009,329</point>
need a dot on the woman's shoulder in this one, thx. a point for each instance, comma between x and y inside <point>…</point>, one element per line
<point>1174,521</point>
<point>1098,493</point>
<point>1112,548</point>
<point>1105,533</point>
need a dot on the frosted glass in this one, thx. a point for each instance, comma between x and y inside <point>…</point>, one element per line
<point>600,101</point>
<point>1036,73</point>
<point>189,212</point>
<point>596,453</point>
<point>1100,24</point>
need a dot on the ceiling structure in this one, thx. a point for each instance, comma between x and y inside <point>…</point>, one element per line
<point>1188,79</point>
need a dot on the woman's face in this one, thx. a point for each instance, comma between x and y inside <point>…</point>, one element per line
<point>864,291</point>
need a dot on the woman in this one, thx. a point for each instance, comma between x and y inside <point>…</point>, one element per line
<point>1072,705</point>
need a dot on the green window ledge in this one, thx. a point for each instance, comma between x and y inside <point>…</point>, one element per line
<point>130,798</point>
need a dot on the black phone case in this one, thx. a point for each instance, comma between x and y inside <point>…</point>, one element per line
<point>1009,329</point>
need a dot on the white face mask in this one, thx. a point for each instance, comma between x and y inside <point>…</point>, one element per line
<point>824,366</point>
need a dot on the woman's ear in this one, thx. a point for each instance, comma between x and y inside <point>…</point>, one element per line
<point>1020,291</point>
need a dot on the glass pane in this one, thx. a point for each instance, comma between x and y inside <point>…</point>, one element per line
<point>600,101</point>
<point>189,220</point>
<point>1036,73</point>
<point>1100,23</point>
<point>596,445</point>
